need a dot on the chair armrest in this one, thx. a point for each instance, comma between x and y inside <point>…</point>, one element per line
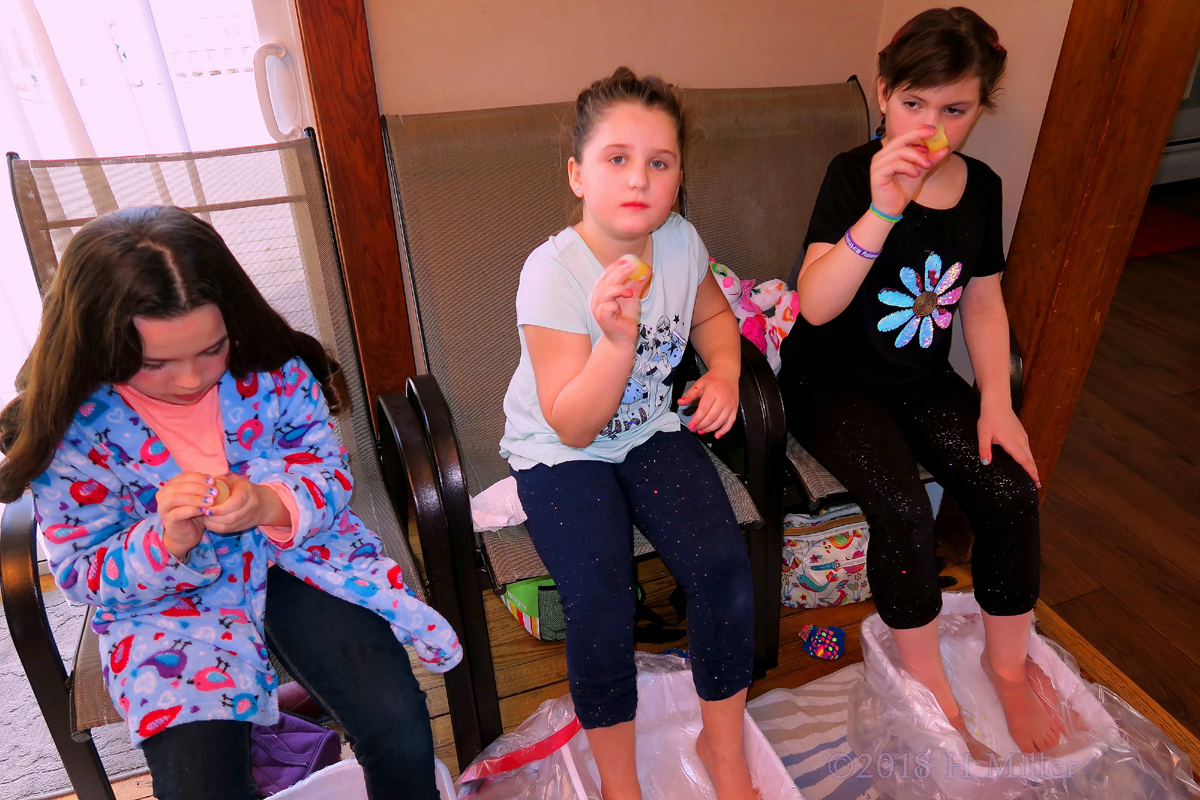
<point>24,607</point>
<point>1016,371</point>
<point>761,413</point>
<point>33,639</point>
<point>760,423</point>
<point>687,370</point>
<point>409,469</point>
<point>762,430</point>
<point>408,475</point>
<point>429,405</point>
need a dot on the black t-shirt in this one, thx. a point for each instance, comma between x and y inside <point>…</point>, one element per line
<point>898,326</point>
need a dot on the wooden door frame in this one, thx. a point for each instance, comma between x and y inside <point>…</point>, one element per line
<point>1120,76</point>
<point>341,74</point>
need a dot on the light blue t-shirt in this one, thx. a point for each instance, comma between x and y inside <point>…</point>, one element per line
<point>555,290</point>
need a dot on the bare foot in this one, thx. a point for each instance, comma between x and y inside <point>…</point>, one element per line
<point>978,750</point>
<point>949,705</point>
<point>1043,689</point>
<point>728,771</point>
<point>1029,721</point>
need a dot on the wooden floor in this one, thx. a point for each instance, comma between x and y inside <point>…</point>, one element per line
<point>1121,519</point>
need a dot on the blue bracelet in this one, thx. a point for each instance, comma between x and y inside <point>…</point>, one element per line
<point>888,217</point>
<point>858,251</point>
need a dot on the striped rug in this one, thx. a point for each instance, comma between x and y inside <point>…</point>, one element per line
<point>807,728</point>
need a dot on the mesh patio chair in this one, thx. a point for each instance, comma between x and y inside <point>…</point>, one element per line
<point>754,164</point>
<point>475,192</point>
<point>270,205</point>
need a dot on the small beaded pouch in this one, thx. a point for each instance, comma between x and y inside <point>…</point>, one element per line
<point>826,643</point>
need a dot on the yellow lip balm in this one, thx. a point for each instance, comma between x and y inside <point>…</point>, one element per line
<point>222,491</point>
<point>641,271</point>
<point>938,140</point>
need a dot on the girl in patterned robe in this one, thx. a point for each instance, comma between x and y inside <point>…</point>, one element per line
<point>160,373</point>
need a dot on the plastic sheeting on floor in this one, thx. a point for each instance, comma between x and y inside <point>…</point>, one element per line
<point>904,741</point>
<point>547,757</point>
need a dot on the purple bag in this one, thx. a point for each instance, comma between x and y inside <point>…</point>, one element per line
<point>287,752</point>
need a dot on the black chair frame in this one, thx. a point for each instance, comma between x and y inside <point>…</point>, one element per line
<point>34,642</point>
<point>412,467</point>
<point>454,558</point>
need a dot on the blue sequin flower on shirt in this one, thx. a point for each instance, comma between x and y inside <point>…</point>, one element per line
<point>924,305</point>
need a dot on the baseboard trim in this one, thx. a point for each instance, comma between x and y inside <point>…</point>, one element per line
<point>1099,669</point>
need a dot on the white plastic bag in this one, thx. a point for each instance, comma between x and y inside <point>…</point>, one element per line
<point>345,781</point>
<point>547,757</point>
<point>904,741</point>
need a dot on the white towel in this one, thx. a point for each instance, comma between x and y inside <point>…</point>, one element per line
<point>497,506</point>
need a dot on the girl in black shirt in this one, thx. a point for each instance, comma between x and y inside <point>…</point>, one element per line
<point>905,233</point>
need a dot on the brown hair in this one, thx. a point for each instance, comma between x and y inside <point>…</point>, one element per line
<point>623,86</point>
<point>156,262</point>
<point>941,46</point>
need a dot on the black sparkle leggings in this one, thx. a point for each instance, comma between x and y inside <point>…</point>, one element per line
<point>580,518</point>
<point>871,439</point>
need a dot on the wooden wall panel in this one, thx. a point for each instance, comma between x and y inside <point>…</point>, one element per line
<point>341,73</point>
<point>1120,76</point>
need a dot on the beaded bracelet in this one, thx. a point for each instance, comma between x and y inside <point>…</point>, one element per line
<point>888,217</point>
<point>858,251</point>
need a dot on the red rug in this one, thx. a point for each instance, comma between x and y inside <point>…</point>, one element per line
<point>1162,231</point>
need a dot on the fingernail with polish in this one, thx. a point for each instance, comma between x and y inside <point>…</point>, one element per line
<point>213,491</point>
<point>208,512</point>
<point>985,461</point>
<point>209,480</point>
<point>207,500</point>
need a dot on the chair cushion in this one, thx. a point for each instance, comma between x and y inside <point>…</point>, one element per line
<point>512,557</point>
<point>477,192</point>
<point>818,482</point>
<point>90,704</point>
<point>755,160</point>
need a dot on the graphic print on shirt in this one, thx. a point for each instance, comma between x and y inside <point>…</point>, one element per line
<point>660,349</point>
<point>927,302</point>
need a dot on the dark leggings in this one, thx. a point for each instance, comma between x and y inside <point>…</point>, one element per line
<point>352,664</point>
<point>871,439</point>
<point>580,513</point>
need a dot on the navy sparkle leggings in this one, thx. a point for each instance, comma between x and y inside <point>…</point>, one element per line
<point>580,513</point>
<point>871,439</point>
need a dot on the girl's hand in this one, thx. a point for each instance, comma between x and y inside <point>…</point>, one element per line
<point>616,305</point>
<point>1001,426</point>
<point>181,501</point>
<point>718,403</point>
<point>898,170</point>
<point>249,506</point>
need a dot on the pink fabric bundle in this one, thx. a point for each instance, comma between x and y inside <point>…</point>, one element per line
<point>765,311</point>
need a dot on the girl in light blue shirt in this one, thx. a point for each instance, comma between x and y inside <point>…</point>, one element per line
<point>594,443</point>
